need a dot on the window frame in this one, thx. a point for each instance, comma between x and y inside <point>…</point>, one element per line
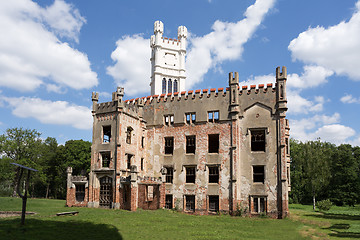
<point>169,145</point>
<point>190,117</point>
<point>190,144</point>
<point>169,204</point>
<point>105,163</point>
<point>214,199</point>
<point>190,174</point>
<point>169,176</point>
<point>190,203</point>
<point>105,140</point>
<point>169,120</point>
<point>258,204</point>
<point>258,143</point>
<point>258,176</point>
<point>214,116</point>
<point>214,174</point>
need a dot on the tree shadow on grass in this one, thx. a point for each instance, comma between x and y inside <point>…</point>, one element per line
<point>48,229</point>
<point>337,233</point>
<point>335,216</point>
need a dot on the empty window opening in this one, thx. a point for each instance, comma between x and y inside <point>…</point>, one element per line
<point>190,144</point>
<point>128,134</point>
<point>128,162</point>
<point>169,86</point>
<point>258,140</point>
<point>80,192</point>
<point>190,118</point>
<point>213,203</point>
<point>142,164</point>
<point>213,116</point>
<point>163,86</point>
<point>213,143</point>
<point>142,142</point>
<point>168,201</point>
<point>175,86</point>
<point>106,134</point>
<point>190,203</point>
<point>105,157</point>
<point>169,174</point>
<point>259,205</point>
<point>169,120</point>
<point>169,145</point>
<point>190,174</point>
<point>214,174</point>
<point>258,174</point>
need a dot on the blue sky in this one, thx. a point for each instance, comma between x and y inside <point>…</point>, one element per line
<point>53,54</point>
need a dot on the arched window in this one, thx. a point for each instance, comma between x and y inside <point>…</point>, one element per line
<point>175,86</point>
<point>169,86</point>
<point>164,86</point>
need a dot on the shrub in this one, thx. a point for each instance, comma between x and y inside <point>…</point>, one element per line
<point>324,205</point>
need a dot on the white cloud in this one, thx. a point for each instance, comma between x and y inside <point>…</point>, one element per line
<point>335,48</point>
<point>256,80</point>
<point>304,129</point>
<point>335,133</point>
<point>312,76</point>
<point>348,98</point>
<point>32,54</point>
<point>225,42</point>
<point>132,64</point>
<point>48,112</point>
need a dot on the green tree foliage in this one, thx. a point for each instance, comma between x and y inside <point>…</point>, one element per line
<point>320,170</point>
<point>345,176</point>
<point>25,147</point>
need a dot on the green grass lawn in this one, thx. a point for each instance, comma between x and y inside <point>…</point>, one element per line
<point>165,224</point>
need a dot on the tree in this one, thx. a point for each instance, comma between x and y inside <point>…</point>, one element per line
<point>21,146</point>
<point>345,176</point>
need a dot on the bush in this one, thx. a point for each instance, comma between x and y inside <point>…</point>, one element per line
<point>324,205</point>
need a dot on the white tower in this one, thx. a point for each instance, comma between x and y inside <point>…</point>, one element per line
<point>167,61</point>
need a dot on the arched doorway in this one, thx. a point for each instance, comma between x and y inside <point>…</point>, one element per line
<point>105,192</point>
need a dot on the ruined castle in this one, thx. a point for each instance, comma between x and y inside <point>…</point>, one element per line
<point>203,151</point>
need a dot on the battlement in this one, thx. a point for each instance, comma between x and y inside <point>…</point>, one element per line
<point>170,41</point>
<point>202,93</point>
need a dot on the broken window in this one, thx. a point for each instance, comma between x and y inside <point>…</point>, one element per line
<point>128,162</point>
<point>213,143</point>
<point>258,140</point>
<point>190,144</point>
<point>190,174</point>
<point>213,203</point>
<point>190,203</point>
<point>168,201</point>
<point>163,86</point>
<point>213,116</point>
<point>258,174</point>
<point>105,157</point>
<point>190,118</point>
<point>169,145</point>
<point>169,120</point>
<point>258,205</point>
<point>214,174</point>
<point>80,192</point>
<point>169,174</point>
<point>128,135</point>
<point>106,134</point>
